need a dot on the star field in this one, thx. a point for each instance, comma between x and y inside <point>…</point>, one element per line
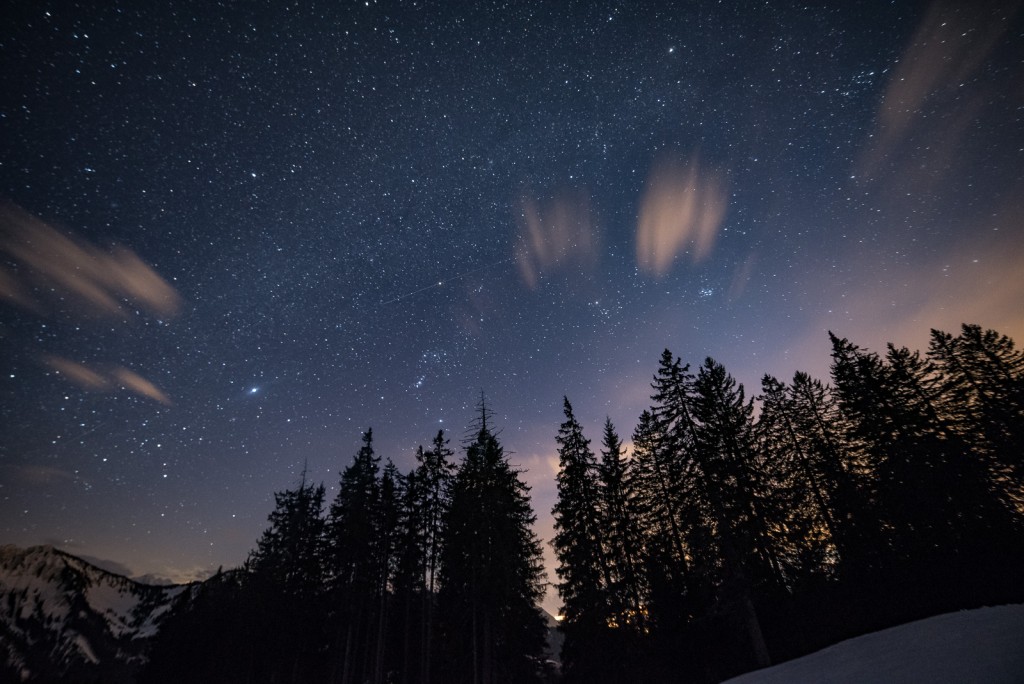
<point>261,228</point>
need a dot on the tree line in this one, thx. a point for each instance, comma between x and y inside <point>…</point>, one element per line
<point>434,575</point>
<point>730,532</point>
<point>738,532</point>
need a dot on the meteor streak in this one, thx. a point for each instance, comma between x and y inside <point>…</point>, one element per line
<point>439,283</point>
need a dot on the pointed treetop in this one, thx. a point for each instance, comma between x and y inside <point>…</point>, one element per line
<point>481,424</point>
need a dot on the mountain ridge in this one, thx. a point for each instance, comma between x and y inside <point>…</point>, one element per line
<point>63,618</point>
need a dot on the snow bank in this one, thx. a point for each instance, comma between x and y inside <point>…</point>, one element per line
<point>984,645</point>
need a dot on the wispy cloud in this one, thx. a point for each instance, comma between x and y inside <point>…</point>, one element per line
<point>35,475</point>
<point>85,281</point>
<point>935,95</point>
<point>134,382</point>
<point>104,379</point>
<point>680,214</point>
<point>555,235</point>
<point>78,373</point>
<point>99,281</point>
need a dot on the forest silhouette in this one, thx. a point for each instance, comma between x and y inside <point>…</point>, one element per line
<point>734,532</point>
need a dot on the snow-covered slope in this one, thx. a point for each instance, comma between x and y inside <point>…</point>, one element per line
<point>984,645</point>
<point>62,618</point>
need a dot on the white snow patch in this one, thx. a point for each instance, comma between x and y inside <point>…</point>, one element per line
<point>983,645</point>
<point>86,648</point>
<point>115,603</point>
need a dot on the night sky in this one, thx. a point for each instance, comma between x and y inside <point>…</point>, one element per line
<point>234,235</point>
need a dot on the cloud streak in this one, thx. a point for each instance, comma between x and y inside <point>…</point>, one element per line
<point>96,281</point>
<point>556,235</point>
<point>935,95</point>
<point>680,214</point>
<point>105,379</point>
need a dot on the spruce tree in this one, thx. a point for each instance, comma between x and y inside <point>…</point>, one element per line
<point>833,474</point>
<point>492,574</point>
<point>800,505</point>
<point>354,580</point>
<point>723,446</point>
<point>812,491</point>
<point>387,525</point>
<point>983,377</point>
<point>578,536</point>
<point>673,591</point>
<point>928,484</point>
<point>407,582</point>
<point>284,580</point>
<point>867,418</point>
<point>954,500</point>
<point>583,572</point>
<point>626,593</point>
<point>673,430</point>
<point>290,554</point>
<point>424,504</point>
<point>435,471</point>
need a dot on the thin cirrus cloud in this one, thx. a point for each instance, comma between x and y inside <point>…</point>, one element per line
<point>556,235</point>
<point>680,214</point>
<point>100,281</point>
<point>48,270</point>
<point>936,94</point>
<point>105,379</point>
<point>133,382</point>
<point>938,114</point>
<point>942,109</point>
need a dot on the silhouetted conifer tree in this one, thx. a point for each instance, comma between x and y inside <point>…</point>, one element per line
<point>424,503</point>
<point>582,569</point>
<point>388,536</point>
<point>671,456</point>
<point>578,536</point>
<point>923,471</point>
<point>800,462</point>
<point>286,585</point>
<point>867,418</point>
<point>983,382</point>
<point>626,591</point>
<point>491,571</point>
<point>352,534</point>
<point>957,503</point>
<point>290,555</point>
<point>673,591</point>
<point>832,474</point>
<point>723,446</point>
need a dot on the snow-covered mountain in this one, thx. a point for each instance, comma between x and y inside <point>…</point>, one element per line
<point>64,619</point>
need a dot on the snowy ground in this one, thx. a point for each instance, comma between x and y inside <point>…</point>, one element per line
<point>984,646</point>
